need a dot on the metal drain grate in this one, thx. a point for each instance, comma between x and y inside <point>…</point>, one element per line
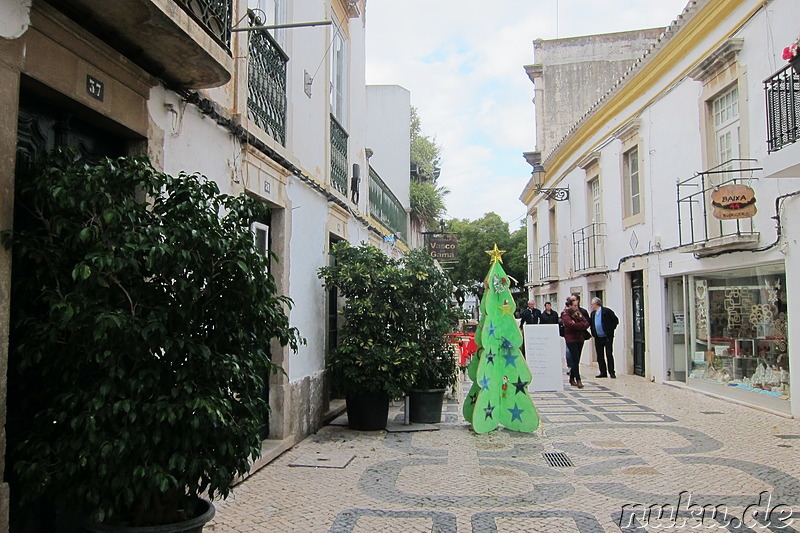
<point>558,459</point>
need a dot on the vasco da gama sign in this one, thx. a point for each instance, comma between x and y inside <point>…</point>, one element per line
<point>733,201</point>
<point>443,247</point>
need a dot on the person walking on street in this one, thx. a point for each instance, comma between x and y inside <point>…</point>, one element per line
<point>530,315</point>
<point>586,335</point>
<point>603,322</point>
<point>548,315</point>
<point>575,324</point>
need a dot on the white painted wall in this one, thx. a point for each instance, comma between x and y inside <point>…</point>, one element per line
<point>389,136</point>
<point>308,252</point>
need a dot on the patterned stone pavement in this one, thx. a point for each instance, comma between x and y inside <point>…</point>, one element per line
<point>645,457</point>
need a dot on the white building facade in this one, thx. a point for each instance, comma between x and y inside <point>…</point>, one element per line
<point>278,114</point>
<point>703,302</point>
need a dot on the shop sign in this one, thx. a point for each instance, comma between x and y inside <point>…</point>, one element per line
<point>443,247</point>
<point>733,201</point>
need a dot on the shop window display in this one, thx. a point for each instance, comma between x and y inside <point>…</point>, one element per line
<point>740,330</point>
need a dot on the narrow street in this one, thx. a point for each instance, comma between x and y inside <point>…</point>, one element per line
<point>629,442</point>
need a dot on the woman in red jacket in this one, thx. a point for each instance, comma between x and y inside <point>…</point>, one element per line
<point>575,325</point>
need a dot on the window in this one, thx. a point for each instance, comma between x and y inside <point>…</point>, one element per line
<point>271,12</point>
<point>595,214</point>
<point>338,73</point>
<point>725,113</point>
<point>260,237</point>
<point>630,175</point>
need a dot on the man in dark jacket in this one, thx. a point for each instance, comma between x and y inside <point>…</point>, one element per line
<point>548,315</point>
<point>603,322</point>
<point>530,315</point>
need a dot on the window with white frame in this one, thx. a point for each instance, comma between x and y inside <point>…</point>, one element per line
<point>725,113</point>
<point>338,73</point>
<point>271,12</point>
<point>595,213</point>
<point>260,237</point>
<point>632,183</point>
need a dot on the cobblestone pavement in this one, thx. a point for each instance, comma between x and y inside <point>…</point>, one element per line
<point>630,442</point>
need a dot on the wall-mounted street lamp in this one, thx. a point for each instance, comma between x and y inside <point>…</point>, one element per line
<point>559,194</point>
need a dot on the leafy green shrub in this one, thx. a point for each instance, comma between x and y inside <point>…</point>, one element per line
<point>395,318</point>
<point>140,338</point>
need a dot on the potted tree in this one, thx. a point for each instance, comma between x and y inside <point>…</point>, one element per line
<point>428,294</point>
<point>141,323</point>
<point>376,358</point>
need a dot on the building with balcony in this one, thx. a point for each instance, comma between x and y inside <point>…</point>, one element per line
<point>672,196</point>
<point>279,114</point>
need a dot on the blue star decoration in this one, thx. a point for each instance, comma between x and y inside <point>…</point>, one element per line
<point>520,385</point>
<point>491,329</point>
<point>490,357</point>
<point>485,382</point>
<point>511,359</point>
<point>516,412</point>
<point>507,344</point>
<point>488,411</point>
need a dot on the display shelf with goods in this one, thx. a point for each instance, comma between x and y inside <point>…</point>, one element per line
<point>739,330</point>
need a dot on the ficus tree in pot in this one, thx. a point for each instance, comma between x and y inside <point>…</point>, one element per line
<point>141,323</point>
<point>394,322</point>
<point>376,357</point>
<point>428,293</point>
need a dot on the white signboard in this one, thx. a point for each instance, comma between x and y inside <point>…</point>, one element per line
<point>544,352</point>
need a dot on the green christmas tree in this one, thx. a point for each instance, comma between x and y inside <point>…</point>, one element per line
<point>500,376</point>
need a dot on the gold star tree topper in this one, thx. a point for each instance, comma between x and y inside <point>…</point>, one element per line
<point>495,254</point>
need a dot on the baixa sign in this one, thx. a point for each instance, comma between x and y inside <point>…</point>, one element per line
<point>443,247</point>
<point>733,201</point>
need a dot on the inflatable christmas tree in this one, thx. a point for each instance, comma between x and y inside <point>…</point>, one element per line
<point>500,376</point>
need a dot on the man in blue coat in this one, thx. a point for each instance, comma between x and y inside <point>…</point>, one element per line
<point>603,322</point>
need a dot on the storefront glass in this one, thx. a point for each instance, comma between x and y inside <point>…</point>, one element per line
<point>739,330</point>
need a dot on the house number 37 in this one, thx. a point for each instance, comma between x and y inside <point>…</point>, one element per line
<point>94,87</point>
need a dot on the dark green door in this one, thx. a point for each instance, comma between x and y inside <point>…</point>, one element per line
<point>637,303</point>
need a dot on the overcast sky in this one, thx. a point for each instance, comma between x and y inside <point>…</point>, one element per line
<point>463,62</point>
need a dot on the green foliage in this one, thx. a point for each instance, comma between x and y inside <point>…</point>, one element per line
<point>428,293</point>
<point>427,203</point>
<point>140,338</point>
<point>474,237</point>
<point>394,319</point>
<point>425,153</point>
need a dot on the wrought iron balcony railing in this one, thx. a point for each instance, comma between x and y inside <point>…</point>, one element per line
<point>695,221</point>
<point>783,108</point>
<point>385,207</point>
<point>214,16</point>
<point>266,83</point>
<point>338,156</point>
<point>548,266</point>
<point>588,247</point>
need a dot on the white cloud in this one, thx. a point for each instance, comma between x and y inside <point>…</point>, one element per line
<point>463,62</point>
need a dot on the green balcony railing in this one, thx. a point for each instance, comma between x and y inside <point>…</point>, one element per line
<point>214,16</point>
<point>266,84</point>
<point>338,156</point>
<point>385,207</point>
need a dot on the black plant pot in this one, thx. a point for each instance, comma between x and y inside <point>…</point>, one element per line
<point>425,405</point>
<point>795,63</point>
<point>193,525</point>
<point>367,411</point>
